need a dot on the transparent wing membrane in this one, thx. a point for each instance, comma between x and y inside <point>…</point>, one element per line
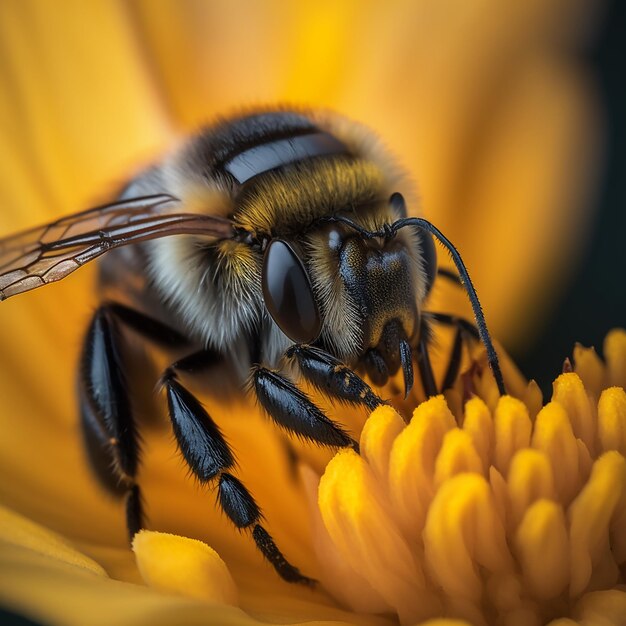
<point>45,254</point>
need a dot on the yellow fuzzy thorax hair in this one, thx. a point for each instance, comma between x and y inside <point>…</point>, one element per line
<point>285,202</point>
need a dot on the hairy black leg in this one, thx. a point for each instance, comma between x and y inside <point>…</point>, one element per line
<point>425,368</point>
<point>270,551</point>
<point>450,275</point>
<point>109,426</point>
<point>376,367</point>
<point>110,431</point>
<point>452,320</point>
<point>154,330</point>
<point>209,457</point>
<point>406,359</point>
<point>194,363</point>
<point>454,365</point>
<point>112,439</point>
<point>466,332</point>
<point>330,376</point>
<point>294,411</point>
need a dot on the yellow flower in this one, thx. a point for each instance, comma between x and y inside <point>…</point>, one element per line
<point>486,105</point>
<point>491,516</point>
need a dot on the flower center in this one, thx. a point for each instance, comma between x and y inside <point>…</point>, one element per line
<point>491,516</point>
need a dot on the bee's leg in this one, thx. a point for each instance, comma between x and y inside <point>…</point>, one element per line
<point>446,319</point>
<point>210,459</point>
<point>424,367</point>
<point>454,364</point>
<point>450,275</point>
<point>331,377</point>
<point>294,411</point>
<point>153,330</point>
<point>109,428</point>
<point>466,332</point>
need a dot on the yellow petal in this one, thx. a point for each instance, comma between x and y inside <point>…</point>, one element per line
<point>478,424</point>
<point>183,566</point>
<point>612,420</point>
<point>51,591</point>
<point>457,455</point>
<point>512,431</point>
<point>553,435</point>
<point>377,437</point>
<point>585,461</point>
<point>568,390</point>
<point>412,461</point>
<point>542,546</point>
<point>485,384</point>
<point>590,516</point>
<point>530,478</point>
<point>602,608</point>
<point>337,575</point>
<point>360,523</point>
<point>20,531</point>
<point>500,494</point>
<point>617,534</point>
<point>444,622</point>
<point>533,399</point>
<point>615,355</point>
<point>590,368</point>
<point>70,121</point>
<point>463,531</point>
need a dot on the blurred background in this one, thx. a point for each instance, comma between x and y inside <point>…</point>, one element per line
<point>508,115</point>
<point>594,297</point>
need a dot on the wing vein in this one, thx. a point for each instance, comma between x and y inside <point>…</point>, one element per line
<point>48,253</point>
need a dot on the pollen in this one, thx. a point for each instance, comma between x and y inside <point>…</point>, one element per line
<point>512,514</point>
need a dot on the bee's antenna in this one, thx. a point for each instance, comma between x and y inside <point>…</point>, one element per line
<point>389,231</point>
<point>366,234</point>
<point>483,332</point>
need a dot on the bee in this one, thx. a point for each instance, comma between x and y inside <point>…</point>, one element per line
<point>270,241</point>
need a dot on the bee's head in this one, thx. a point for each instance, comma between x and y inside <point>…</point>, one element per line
<point>355,292</point>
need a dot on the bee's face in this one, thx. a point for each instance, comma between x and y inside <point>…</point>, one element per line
<point>357,297</point>
<point>378,279</point>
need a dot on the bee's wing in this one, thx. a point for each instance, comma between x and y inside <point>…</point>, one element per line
<point>48,253</point>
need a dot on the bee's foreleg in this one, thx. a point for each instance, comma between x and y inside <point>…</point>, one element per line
<point>108,424</point>
<point>331,377</point>
<point>211,460</point>
<point>294,411</point>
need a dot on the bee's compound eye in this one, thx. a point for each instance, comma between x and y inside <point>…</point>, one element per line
<point>288,294</point>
